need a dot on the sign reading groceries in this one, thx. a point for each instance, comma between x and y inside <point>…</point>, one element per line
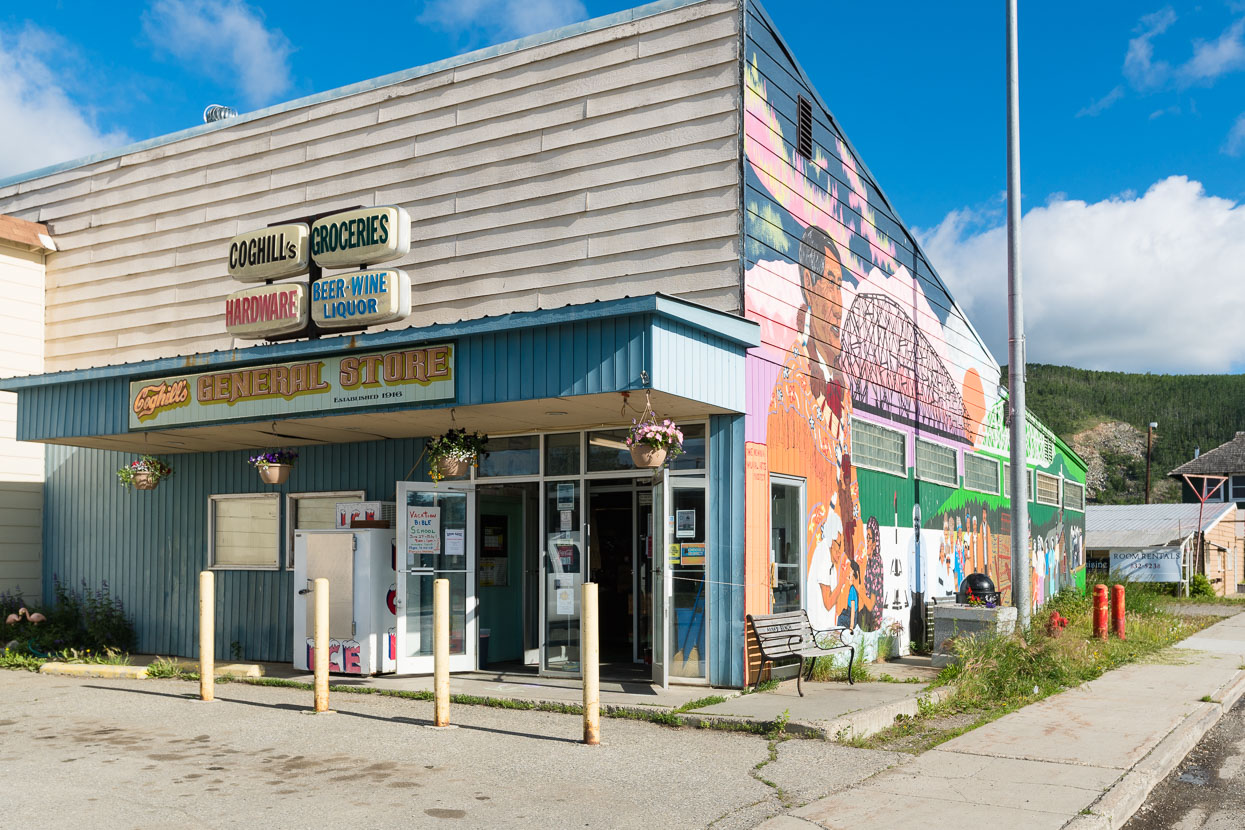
<point>421,375</point>
<point>350,239</point>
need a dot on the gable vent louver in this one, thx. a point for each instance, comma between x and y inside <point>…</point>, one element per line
<point>804,130</point>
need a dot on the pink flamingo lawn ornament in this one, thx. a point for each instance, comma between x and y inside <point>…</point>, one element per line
<point>34,618</point>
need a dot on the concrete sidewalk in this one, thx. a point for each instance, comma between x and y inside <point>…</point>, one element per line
<point>830,710</point>
<point>1084,759</point>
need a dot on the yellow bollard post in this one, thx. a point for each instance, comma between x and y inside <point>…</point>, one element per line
<point>441,651</point>
<point>207,636</point>
<point>322,644</point>
<point>591,656</point>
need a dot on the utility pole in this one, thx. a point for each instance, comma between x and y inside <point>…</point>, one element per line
<point>1021,589</point>
<point>1149,437</point>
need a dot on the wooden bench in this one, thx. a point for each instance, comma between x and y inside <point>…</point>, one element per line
<point>790,634</point>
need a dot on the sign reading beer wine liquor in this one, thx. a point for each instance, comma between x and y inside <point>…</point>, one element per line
<point>421,375</point>
<point>364,298</point>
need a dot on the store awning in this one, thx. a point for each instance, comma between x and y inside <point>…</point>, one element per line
<point>567,368</point>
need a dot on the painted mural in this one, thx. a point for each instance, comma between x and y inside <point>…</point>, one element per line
<point>856,327</point>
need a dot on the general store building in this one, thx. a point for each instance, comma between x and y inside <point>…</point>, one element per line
<point>654,208</point>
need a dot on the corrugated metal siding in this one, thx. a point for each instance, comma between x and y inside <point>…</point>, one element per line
<point>150,546</point>
<point>726,512</point>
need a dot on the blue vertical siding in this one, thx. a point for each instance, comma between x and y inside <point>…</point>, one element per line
<point>726,513</point>
<point>150,546</point>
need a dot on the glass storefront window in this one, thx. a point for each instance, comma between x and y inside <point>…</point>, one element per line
<point>693,457</point>
<point>563,571</point>
<point>517,455</point>
<point>562,454</point>
<point>786,541</point>
<point>608,451</point>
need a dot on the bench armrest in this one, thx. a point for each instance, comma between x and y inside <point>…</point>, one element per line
<point>840,630</point>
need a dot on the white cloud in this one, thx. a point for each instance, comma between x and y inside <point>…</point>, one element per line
<point>1102,103</point>
<point>1131,283</point>
<point>497,20</point>
<point>42,122</point>
<point>1235,142</point>
<point>226,39</point>
<point>1218,57</point>
<point>1140,67</point>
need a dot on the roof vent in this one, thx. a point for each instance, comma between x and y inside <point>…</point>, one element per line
<point>216,112</point>
<point>1197,451</point>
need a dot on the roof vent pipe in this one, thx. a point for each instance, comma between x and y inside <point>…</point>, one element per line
<point>216,112</point>
<point>1197,451</point>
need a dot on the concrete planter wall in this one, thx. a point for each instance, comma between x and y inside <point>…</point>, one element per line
<point>951,621</point>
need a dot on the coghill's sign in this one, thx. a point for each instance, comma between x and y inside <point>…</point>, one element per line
<point>269,253</point>
<point>420,375</point>
<point>352,238</point>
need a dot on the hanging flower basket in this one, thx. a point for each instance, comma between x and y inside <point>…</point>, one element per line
<point>274,466</point>
<point>652,443</point>
<point>144,473</point>
<point>450,454</point>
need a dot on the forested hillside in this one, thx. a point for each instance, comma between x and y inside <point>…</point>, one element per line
<point>1191,411</point>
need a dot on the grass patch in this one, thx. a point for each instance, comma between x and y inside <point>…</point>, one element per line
<point>997,675</point>
<point>824,669</point>
<point>20,661</point>
<point>701,703</point>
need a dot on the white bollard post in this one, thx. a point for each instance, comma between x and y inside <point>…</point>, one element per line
<point>590,656</point>
<point>322,644</point>
<point>207,636</point>
<point>441,651</point>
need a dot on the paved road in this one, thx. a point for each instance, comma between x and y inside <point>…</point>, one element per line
<point>1207,790</point>
<point>121,754</point>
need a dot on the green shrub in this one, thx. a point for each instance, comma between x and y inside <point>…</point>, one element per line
<point>1199,586</point>
<point>93,620</point>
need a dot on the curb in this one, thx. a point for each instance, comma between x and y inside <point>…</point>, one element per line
<point>225,669</point>
<point>1115,807</point>
<point>94,670</point>
<point>868,722</point>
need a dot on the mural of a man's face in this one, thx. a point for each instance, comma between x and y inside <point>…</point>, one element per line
<point>821,275</point>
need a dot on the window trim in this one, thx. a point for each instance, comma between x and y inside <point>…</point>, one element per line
<point>275,498</point>
<point>903,445</point>
<point>290,513</point>
<point>955,456</point>
<point>998,466</point>
<point>1231,490</point>
<point>1058,490</point>
<point>1063,495</point>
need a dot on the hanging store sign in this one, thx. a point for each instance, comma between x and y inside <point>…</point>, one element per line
<point>270,253</point>
<point>266,310</point>
<point>365,236</point>
<point>410,376</point>
<point>364,298</point>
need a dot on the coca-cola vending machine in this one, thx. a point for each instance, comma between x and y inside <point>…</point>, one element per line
<point>359,565</point>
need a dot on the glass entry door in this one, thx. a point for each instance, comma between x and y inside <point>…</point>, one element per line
<point>562,575</point>
<point>436,540</point>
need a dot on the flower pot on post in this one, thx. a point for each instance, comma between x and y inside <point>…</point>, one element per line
<point>274,466</point>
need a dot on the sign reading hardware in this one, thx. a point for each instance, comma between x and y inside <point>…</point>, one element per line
<point>266,310</point>
<point>362,236</point>
<point>420,375</point>
<point>364,298</point>
<point>269,253</point>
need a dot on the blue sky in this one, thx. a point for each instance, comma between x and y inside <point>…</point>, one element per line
<point>1133,128</point>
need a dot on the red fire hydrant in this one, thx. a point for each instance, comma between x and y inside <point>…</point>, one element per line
<point>1100,611</point>
<point>1117,610</point>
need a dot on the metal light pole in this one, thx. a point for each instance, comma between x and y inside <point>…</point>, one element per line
<point>1149,437</point>
<point>1021,589</point>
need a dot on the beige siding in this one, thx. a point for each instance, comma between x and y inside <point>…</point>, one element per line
<point>21,464</point>
<point>595,167</point>
<point>1223,555</point>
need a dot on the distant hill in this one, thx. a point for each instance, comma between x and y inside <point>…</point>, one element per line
<point>1106,413</point>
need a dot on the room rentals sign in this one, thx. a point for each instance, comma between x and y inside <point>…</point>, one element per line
<point>421,375</point>
<point>358,238</point>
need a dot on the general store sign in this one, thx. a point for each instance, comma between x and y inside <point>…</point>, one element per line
<point>270,253</point>
<point>408,376</point>
<point>366,236</point>
<point>364,298</point>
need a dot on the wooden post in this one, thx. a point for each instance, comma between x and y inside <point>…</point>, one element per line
<point>322,644</point>
<point>590,656</point>
<point>441,651</point>
<point>207,635</point>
